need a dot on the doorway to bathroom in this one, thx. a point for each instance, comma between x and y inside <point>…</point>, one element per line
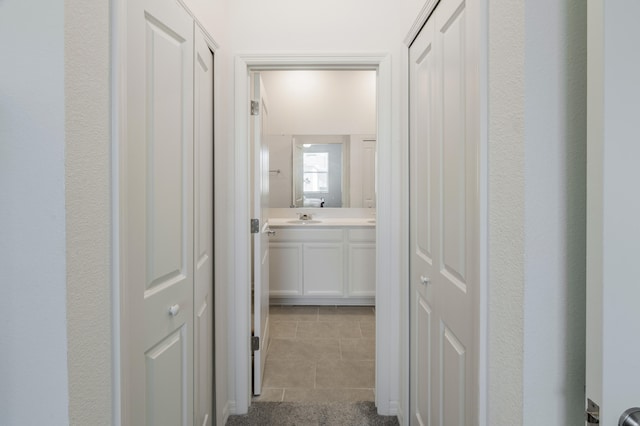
<point>313,299</point>
<point>314,155</point>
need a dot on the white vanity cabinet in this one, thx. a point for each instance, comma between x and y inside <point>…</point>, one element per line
<point>361,246</point>
<point>323,269</point>
<point>321,265</point>
<point>285,269</point>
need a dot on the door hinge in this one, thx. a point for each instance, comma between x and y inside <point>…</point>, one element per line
<point>593,413</point>
<point>255,226</point>
<point>255,108</point>
<point>255,343</point>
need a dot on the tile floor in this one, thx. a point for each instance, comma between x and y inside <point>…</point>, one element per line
<point>320,354</point>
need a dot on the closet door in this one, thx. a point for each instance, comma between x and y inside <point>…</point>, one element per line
<point>444,218</point>
<point>157,216</point>
<point>424,143</point>
<point>203,235</point>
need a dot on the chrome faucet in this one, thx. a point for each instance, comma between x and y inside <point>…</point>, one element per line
<point>304,216</point>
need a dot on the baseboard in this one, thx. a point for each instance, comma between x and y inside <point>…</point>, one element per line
<point>229,408</point>
<point>394,408</point>
<point>400,415</point>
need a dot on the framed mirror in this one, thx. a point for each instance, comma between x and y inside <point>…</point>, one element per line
<point>320,176</point>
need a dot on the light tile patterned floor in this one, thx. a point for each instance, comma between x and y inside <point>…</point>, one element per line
<point>320,353</point>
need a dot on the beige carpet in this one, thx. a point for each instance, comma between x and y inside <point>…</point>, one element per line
<point>312,414</point>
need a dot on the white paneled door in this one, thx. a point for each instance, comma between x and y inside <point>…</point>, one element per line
<point>443,219</point>
<point>203,235</point>
<point>157,216</point>
<point>260,207</point>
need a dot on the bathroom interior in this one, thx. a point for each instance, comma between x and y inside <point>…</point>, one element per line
<point>320,131</point>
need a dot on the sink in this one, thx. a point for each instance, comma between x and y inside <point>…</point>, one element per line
<point>304,222</point>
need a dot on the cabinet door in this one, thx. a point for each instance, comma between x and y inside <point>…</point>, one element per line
<point>362,271</point>
<point>285,269</point>
<point>323,269</point>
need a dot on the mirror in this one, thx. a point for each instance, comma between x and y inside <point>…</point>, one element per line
<point>322,171</point>
<point>321,137</point>
<point>319,178</point>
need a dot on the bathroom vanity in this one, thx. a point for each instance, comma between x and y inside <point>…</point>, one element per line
<point>331,261</point>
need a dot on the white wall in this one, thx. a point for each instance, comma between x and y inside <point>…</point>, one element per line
<point>506,212</point>
<point>555,211</point>
<point>307,102</point>
<point>33,368</point>
<point>537,122</point>
<point>613,236</point>
<point>88,208</point>
<point>280,159</point>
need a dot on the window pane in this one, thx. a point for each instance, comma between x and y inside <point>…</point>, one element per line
<point>315,162</point>
<point>315,182</point>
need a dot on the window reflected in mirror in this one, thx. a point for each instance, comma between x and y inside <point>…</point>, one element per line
<point>318,172</point>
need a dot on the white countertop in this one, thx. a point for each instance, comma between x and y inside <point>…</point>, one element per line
<point>324,222</point>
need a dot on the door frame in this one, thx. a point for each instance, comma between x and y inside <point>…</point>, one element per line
<point>387,297</point>
<point>120,315</point>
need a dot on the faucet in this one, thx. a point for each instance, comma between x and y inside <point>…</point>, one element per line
<point>304,216</point>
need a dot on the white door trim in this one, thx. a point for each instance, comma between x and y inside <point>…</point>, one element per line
<point>387,297</point>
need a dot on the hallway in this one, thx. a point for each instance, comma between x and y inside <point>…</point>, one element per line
<point>67,139</point>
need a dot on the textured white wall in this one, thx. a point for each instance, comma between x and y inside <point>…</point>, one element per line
<point>33,339</point>
<point>88,205</point>
<point>506,211</point>
<point>537,149</point>
<point>555,216</point>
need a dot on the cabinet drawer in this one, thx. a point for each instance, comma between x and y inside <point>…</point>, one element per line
<point>362,235</point>
<point>306,235</point>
